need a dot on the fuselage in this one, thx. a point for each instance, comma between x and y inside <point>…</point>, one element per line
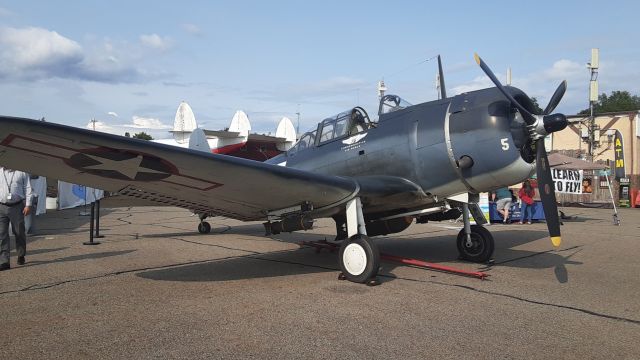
<point>472,142</point>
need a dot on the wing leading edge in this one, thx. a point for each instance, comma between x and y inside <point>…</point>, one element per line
<point>203,182</point>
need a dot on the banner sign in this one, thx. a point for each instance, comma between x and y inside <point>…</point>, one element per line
<point>484,205</point>
<point>39,188</point>
<point>72,195</point>
<point>619,155</point>
<point>569,181</point>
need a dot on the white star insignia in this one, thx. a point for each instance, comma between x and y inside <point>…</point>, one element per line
<point>129,167</point>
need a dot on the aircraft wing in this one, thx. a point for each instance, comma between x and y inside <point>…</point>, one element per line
<point>199,181</point>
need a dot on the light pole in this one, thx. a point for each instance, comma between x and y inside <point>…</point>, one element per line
<point>593,99</point>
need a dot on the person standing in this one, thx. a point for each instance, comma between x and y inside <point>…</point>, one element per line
<point>503,203</point>
<point>526,194</point>
<point>15,204</point>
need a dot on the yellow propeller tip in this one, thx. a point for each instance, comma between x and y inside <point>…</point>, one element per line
<point>556,240</point>
<point>475,56</point>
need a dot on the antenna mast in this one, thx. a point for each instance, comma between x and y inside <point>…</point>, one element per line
<point>442,90</point>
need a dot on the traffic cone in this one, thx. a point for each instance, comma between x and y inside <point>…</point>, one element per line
<point>632,199</point>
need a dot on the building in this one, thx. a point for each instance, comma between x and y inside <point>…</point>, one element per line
<point>574,141</point>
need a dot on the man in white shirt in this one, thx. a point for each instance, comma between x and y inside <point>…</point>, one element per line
<point>15,204</point>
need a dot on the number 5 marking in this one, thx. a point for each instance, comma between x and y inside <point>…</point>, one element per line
<point>505,144</point>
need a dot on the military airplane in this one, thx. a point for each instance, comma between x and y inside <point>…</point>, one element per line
<point>426,162</point>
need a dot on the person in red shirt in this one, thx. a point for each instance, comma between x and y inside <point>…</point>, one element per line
<point>526,194</point>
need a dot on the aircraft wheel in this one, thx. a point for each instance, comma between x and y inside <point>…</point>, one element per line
<point>482,244</point>
<point>359,259</point>
<point>204,227</point>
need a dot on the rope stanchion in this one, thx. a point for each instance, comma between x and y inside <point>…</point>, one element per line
<point>92,219</point>
<point>97,235</point>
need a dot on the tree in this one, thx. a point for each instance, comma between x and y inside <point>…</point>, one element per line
<point>617,101</point>
<point>142,135</point>
<point>536,106</point>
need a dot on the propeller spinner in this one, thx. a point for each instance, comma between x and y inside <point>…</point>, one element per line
<point>540,126</point>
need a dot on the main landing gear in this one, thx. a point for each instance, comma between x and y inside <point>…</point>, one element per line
<point>475,243</point>
<point>204,227</point>
<point>359,257</point>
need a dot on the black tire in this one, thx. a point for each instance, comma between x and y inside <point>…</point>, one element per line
<point>204,227</point>
<point>354,270</point>
<point>482,244</point>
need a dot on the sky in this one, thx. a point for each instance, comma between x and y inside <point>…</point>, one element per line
<point>129,64</point>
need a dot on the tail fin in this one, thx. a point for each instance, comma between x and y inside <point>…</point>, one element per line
<point>198,141</point>
<point>240,123</point>
<point>288,131</point>
<point>184,123</point>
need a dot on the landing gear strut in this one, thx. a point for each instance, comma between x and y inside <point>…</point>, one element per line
<point>475,243</point>
<point>204,227</point>
<point>359,256</point>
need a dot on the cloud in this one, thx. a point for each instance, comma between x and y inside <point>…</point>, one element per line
<point>34,53</point>
<point>480,82</point>
<point>112,113</point>
<point>102,127</point>
<point>151,126</point>
<point>156,42</point>
<point>192,29</point>
<point>36,49</point>
<point>542,83</point>
<point>140,122</point>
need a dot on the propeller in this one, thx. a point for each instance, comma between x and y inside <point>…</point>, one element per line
<point>556,97</point>
<point>540,126</point>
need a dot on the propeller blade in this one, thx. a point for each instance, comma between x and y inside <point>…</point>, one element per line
<point>528,117</point>
<point>555,99</point>
<point>546,188</point>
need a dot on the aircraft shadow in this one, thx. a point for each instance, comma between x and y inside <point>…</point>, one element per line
<point>78,257</point>
<point>269,265</point>
<point>40,251</point>
<point>434,249</point>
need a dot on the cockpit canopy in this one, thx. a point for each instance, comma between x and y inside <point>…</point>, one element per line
<point>345,124</point>
<point>391,103</point>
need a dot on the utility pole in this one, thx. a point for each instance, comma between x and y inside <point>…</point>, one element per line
<point>298,123</point>
<point>93,123</point>
<point>381,89</point>
<point>593,99</point>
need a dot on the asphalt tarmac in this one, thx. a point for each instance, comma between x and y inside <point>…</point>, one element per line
<point>155,288</point>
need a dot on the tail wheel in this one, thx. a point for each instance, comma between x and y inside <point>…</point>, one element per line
<point>204,227</point>
<point>481,247</point>
<point>359,259</point>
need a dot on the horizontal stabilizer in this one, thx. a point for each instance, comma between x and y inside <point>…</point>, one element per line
<point>221,134</point>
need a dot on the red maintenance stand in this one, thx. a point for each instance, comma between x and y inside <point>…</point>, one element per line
<point>332,247</point>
